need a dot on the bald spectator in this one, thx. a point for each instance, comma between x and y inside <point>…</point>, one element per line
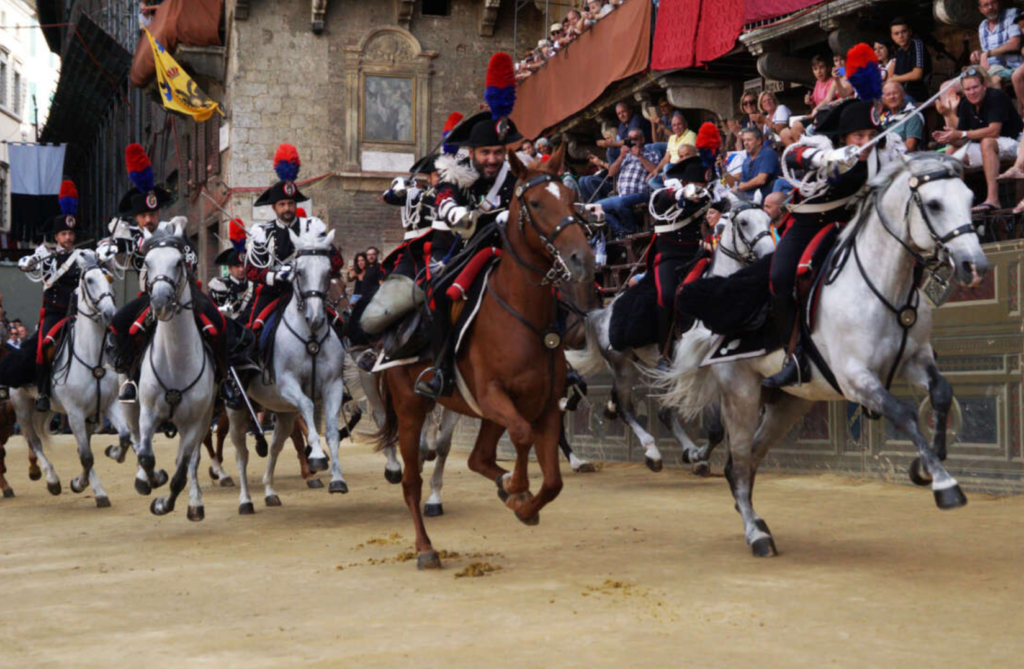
<point>896,109</point>
<point>773,206</point>
<point>628,120</point>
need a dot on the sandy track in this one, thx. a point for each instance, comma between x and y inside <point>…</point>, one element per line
<point>627,568</point>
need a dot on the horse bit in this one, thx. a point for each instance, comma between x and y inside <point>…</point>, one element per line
<point>750,256</point>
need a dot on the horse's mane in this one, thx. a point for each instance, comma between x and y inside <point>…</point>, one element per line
<point>312,237</point>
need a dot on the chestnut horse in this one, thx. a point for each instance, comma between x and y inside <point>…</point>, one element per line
<point>508,372</point>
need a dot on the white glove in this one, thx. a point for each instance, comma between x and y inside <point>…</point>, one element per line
<point>458,217</point>
<point>112,225</point>
<point>502,218</point>
<point>283,274</point>
<point>224,309</point>
<point>106,251</point>
<point>398,186</point>
<point>840,161</point>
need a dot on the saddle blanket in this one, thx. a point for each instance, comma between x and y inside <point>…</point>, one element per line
<point>742,345</point>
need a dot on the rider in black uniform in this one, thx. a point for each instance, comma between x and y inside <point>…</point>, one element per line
<point>232,294</point>
<point>418,212</point>
<point>843,172</point>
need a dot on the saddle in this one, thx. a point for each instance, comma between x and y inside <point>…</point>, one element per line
<point>54,339</point>
<point>809,271</point>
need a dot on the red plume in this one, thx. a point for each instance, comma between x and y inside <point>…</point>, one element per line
<point>236,230</point>
<point>300,212</point>
<point>453,120</point>
<point>500,72</point>
<point>708,137</point>
<point>860,56</point>
<point>287,153</point>
<point>67,189</point>
<point>135,158</point>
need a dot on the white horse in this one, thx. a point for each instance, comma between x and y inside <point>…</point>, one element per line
<point>744,237</point>
<point>83,388</point>
<point>872,326</point>
<point>307,367</point>
<point>176,381</point>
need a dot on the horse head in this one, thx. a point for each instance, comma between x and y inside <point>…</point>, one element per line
<point>939,212</point>
<point>312,279</point>
<point>747,235</point>
<point>543,210</point>
<point>166,273</point>
<point>94,293</point>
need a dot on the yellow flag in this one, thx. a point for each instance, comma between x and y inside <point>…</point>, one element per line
<point>178,91</point>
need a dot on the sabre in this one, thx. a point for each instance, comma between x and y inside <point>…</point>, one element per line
<point>261,441</point>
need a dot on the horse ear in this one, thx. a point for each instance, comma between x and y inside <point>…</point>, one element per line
<point>961,153</point>
<point>179,225</point>
<point>330,237</point>
<point>515,164</point>
<point>719,229</point>
<point>557,159</point>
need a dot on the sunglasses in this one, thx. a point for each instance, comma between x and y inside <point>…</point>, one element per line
<point>748,103</point>
<point>972,72</point>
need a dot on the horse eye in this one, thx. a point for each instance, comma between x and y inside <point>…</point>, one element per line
<point>935,205</point>
<point>535,203</point>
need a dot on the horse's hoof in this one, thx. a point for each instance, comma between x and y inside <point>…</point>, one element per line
<point>950,498</point>
<point>430,455</point>
<point>314,483</point>
<point>142,487</point>
<point>917,473</point>
<point>171,431</point>
<point>196,513</point>
<point>8,493</point>
<point>246,509</point>
<point>701,469</point>
<point>586,468</point>
<point>213,474</point>
<point>652,464</point>
<point>114,452</point>
<point>317,465</point>
<point>76,485</point>
<point>500,481</point>
<point>161,506</point>
<point>764,547</point>
<point>528,521</point>
<point>53,488</point>
<point>34,472</point>
<point>272,500</point>
<point>226,482</point>
<point>429,560</point>
<point>159,478</point>
<point>102,502</point>
<point>393,476</point>
<point>684,457</point>
<point>261,445</point>
<point>338,486</point>
<point>433,510</point>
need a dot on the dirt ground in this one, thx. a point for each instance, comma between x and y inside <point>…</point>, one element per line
<point>627,568</point>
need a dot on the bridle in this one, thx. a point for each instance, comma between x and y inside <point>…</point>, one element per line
<point>749,256</point>
<point>302,295</point>
<point>559,270</point>
<point>94,302</point>
<point>177,284</point>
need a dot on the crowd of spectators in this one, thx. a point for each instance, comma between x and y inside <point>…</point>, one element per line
<point>364,275</point>
<point>564,33</point>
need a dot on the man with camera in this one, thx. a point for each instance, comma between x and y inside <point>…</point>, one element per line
<point>630,169</point>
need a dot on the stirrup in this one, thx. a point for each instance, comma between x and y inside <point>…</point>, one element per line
<point>42,403</point>
<point>366,360</point>
<point>433,388</point>
<point>129,393</point>
<point>794,373</point>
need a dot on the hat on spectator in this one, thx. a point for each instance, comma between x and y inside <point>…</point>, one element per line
<point>556,26</point>
<point>286,165</point>
<point>493,127</point>
<point>68,200</point>
<point>689,170</point>
<point>144,195</point>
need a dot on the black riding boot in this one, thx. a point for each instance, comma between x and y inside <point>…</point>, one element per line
<point>442,379</point>
<point>43,383</point>
<point>796,370</point>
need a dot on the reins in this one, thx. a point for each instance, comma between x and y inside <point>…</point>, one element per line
<point>313,345</point>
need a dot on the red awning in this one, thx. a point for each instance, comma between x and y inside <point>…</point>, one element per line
<point>616,48</point>
<point>759,10</point>
<point>192,22</point>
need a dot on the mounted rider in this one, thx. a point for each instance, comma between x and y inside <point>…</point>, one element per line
<point>269,249</point>
<point>142,203</point>
<point>59,272</point>
<point>833,173</point>
<point>679,210</point>
<point>472,190</point>
<point>234,293</point>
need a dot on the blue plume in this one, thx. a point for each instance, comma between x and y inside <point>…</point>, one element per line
<point>867,81</point>
<point>500,100</point>
<point>68,205</point>
<point>142,179</point>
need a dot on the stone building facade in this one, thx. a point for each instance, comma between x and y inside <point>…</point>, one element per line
<point>286,82</point>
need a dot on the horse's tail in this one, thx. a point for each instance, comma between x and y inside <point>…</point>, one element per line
<point>687,386</point>
<point>588,360</point>
<point>387,434</point>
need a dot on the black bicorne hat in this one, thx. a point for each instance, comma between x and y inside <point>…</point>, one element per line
<point>424,165</point>
<point>286,165</point>
<point>68,217</point>
<point>849,116</point>
<point>481,129</point>
<point>229,257</point>
<point>690,170</point>
<point>136,202</point>
<point>145,195</point>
